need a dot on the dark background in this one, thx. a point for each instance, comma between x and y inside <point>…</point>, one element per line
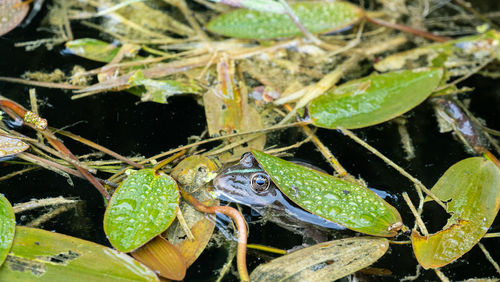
<point>118,121</point>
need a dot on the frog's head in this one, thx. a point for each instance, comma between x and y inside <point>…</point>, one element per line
<point>246,183</point>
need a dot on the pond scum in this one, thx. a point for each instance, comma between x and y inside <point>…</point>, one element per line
<point>258,67</point>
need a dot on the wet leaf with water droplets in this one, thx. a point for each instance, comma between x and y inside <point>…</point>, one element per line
<point>317,17</point>
<point>143,206</point>
<point>471,189</point>
<point>39,255</point>
<point>93,49</point>
<point>7,227</point>
<point>12,13</point>
<point>326,261</point>
<point>374,99</point>
<point>11,146</point>
<point>349,204</point>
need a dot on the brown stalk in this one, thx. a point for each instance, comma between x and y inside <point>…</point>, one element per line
<point>97,147</point>
<point>40,125</point>
<point>240,225</point>
<point>408,29</point>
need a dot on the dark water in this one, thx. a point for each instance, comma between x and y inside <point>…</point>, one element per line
<point>117,121</point>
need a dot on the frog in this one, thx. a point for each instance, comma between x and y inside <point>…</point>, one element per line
<point>248,184</point>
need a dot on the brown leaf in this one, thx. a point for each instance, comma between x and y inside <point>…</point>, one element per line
<point>163,258</point>
<point>202,232</point>
<point>12,13</point>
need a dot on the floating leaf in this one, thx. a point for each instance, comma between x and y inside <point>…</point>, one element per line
<point>374,99</point>
<point>11,146</point>
<point>162,257</point>
<point>202,231</point>
<point>346,203</point>
<point>12,13</point>
<point>448,54</point>
<point>93,49</point>
<point>7,227</point>
<point>471,189</point>
<point>326,261</point>
<point>42,255</point>
<point>160,90</point>
<point>317,17</point>
<point>142,207</point>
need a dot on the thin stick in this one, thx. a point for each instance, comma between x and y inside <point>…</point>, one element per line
<point>97,147</point>
<point>374,151</point>
<point>35,204</point>
<point>240,225</point>
<point>40,124</point>
<point>19,172</point>
<point>488,256</point>
<point>408,29</point>
<point>184,225</point>
<point>421,224</point>
<point>492,235</point>
<point>169,160</point>
<point>267,249</point>
<point>48,216</point>
<point>213,139</point>
<point>40,83</point>
<point>441,275</point>
<point>183,7</point>
<point>323,149</point>
<point>476,14</point>
<point>462,78</point>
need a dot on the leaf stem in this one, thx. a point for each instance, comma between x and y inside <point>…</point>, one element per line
<point>407,29</point>
<point>240,225</point>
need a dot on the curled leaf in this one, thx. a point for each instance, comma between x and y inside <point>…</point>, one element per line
<point>326,261</point>
<point>471,189</point>
<point>162,257</point>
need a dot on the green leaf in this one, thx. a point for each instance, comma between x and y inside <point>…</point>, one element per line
<point>160,90</point>
<point>42,255</point>
<point>143,206</point>
<point>317,17</point>
<point>327,261</point>
<point>7,227</point>
<point>349,204</point>
<point>93,49</point>
<point>471,189</point>
<point>374,99</point>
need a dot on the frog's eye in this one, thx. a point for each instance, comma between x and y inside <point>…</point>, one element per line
<point>260,182</point>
